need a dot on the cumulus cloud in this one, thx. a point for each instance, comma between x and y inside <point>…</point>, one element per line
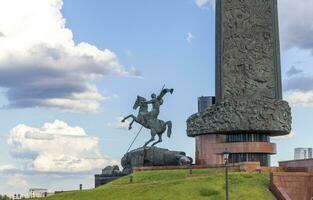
<point>7,167</point>
<point>56,147</point>
<point>204,3</point>
<point>296,26</point>
<point>299,88</point>
<point>134,72</point>
<point>118,124</point>
<point>189,37</point>
<point>296,30</point>
<point>300,98</point>
<point>17,181</point>
<point>41,65</point>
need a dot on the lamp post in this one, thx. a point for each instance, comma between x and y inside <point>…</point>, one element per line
<point>226,157</point>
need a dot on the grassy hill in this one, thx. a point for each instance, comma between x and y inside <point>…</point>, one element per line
<point>175,185</point>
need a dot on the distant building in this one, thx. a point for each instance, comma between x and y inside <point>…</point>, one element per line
<point>17,197</point>
<point>109,174</point>
<point>205,102</point>
<point>38,193</point>
<point>303,153</point>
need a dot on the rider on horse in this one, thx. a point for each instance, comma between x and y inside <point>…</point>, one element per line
<point>156,102</point>
<point>149,119</point>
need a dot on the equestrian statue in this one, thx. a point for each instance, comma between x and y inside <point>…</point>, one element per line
<point>149,119</point>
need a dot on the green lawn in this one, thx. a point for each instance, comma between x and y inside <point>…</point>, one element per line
<point>174,185</point>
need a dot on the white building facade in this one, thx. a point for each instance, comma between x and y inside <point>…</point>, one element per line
<point>37,193</point>
<point>303,153</point>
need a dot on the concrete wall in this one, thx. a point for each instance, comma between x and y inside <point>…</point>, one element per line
<point>101,179</point>
<point>306,165</point>
<point>292,186</point>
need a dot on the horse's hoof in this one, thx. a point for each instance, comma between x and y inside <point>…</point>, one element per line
<point>129,128</point>
<point>123,120</point>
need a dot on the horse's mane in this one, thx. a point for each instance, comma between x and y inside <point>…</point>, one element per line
<point>142,98</point>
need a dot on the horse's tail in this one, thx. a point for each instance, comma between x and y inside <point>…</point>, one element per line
<point>169,128</point>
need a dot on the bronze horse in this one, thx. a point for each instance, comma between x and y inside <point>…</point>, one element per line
<point>146,119</point>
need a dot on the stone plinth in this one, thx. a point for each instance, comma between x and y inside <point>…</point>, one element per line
<point>210,148</point>
<point>272,117</point>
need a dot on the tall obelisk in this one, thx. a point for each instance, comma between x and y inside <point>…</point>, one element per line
<point>249,107</point>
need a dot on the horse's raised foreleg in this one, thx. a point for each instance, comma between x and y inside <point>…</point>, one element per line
<point>131,123</point>
<point>160,140</point>
<point>129,116</point>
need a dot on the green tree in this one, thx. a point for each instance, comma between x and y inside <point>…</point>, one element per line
<point>4,197</point>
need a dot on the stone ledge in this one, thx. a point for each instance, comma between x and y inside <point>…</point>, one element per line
<point>242,115</point>
<point>244,147</point>
<point>188,167</point>
<point>305,165</point>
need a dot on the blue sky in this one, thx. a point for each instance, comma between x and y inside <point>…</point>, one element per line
<point>85,72</point>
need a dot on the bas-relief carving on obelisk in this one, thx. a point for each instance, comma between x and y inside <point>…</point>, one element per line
<point>248,76</point>
<point>249,58</point>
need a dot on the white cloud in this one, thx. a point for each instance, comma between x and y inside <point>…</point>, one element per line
<point>204,3</point>
<point>40,64</point>
<point>296,25</point>
<point>87,101</point>
<point>17,181</point>
<point>300,89</point>
<point>7,167</point>
<point>300,98</point>
<point>56,147</point>
<point>118,124</point>
<point>296,30</point>
<point>189,37</point>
